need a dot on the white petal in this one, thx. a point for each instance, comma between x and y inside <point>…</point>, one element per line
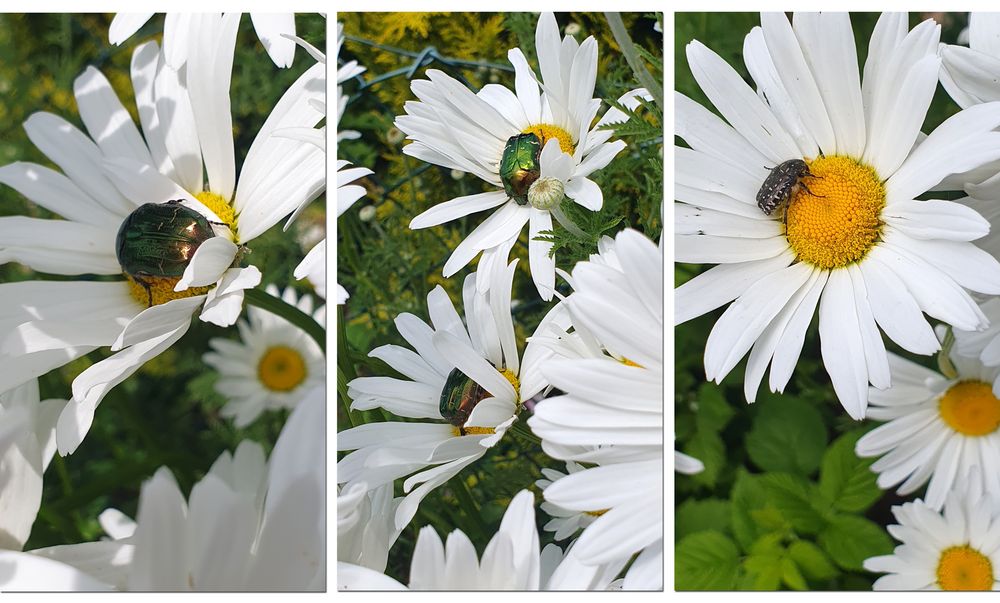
<point>124,25</point>
<point>270,28</point>
<point>210,261</point>
<point>842,344</point>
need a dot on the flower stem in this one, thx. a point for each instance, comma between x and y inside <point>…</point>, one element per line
<point>342,394</point>
<point>945,365</point>
<point>275,305</point>
<point>632,57</point>
<point>521,429</point>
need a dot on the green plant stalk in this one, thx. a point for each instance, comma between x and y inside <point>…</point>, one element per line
<point>633,59</point>
<point>469,506</point>
<point>265,301</point>
<point>521,429</point>
<point>944,358</point>
<point>342,394</point>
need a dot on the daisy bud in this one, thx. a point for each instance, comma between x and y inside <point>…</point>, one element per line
<point>546,193</point>
<point>572,29</point>
<point>367,213</point>
<point>457,174</point>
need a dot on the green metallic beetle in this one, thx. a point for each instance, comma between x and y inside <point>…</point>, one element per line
<point>519,166</point>
<point>459,396</point>
<point>159,239</point>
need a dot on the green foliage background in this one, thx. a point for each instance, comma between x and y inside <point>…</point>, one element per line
<point>389,269</point>
<point>783,502</point>
<point>168,412</point>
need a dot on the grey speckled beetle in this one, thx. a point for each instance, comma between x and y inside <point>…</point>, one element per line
<point>780,185</point>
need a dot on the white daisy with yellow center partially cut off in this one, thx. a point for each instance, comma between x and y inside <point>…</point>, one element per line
<point>464,377</point>
<point>119,186</point>
<point>272,366</point>
<point>958,549</point>
<point>534,146</point>
<point>937,428</point>
<point>851,239</point>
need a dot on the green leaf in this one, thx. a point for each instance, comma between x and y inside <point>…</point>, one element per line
<point>812,560</point>
<point>787,435</point>
<point>791,496</point>
<point>713,410</point>
<point>850,539</point>
<point>845,479</point>
<point>763,571</point>
<point>746,498</point>
<point>706,561</point>
<point>791,575</point>
<point>707,447</point>
<point>698,515</point>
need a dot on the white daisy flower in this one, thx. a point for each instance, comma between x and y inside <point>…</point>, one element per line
<point>958,549</point>
<point>511,561</point>
<point>365,525</point>
<point>347,195</point>
<point>937,428</point>
<point>612,413</point>
<point>270,28</point>
<point>471,132</point>
<point>345,72</point>
<point>464,376</point>
<point>564,522</point>
<point>27,444</point>
<point>249,524</point>
<point>273,365</point>
<point>687,464</point>
<point>853,241</point>
<point>108,176</point>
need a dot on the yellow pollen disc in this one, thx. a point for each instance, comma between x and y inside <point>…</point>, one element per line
<point>964,568</point>
<point>281,369</point>
<point>476,430</point>
<point>970,408</point>
<point>839,222</point>
<point>512,378</point>
<point>547,131</point>
<point>221,207</point>
<point>596,513</point>
<point>161,288</point>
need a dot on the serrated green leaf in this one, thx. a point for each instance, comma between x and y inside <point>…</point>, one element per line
<point>763,571</point>
<point>846,480</point>
<point>812,560</point>
<point>707,447</point>
<point>706,561</point>
<point>791,496</point>
<point>791,575</point>
<point>698,515</point>
<point>850,539</point>
<point>787,435</point>
<point>746,498</point>
<point>713,413</point>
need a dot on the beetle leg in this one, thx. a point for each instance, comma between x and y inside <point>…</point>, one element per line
<point>803,185</point>
<point>148,288</point>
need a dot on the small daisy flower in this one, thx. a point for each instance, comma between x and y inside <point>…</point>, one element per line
<point>273,366</point>
<point>107,177</point>
<point>270,28</point>
<point>612,412</point>
<point>463,376</point>
<point>564,522</point>
<point>958,549</point>
<point>936,429</point>
<point>852,240</point>
<point>489,133</point>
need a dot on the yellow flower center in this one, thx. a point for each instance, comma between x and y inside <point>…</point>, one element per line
<point>964,568</point>
<point>512,378</point>
<point>839,221</point>
<point>281,369</point>
<point>221,207</point>
<point>160,290</point>
<point>970,408</point>
<point>548,131</point>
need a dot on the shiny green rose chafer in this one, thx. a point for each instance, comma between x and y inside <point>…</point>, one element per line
<point>519,166</point>
<point>159,240</point>
<point>459,396</point>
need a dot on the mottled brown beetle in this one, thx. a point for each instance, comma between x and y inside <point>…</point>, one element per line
<point>781,184</point>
